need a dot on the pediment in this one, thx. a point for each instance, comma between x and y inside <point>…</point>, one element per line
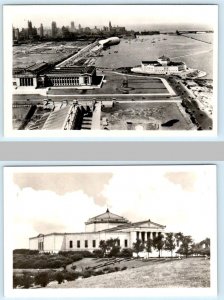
<point>148,224</point>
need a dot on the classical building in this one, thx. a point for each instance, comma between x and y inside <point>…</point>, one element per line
<point>43,75</point>
<point>71,76</point>
<point>102,227</point>
<point>29,76</point>
<point>161,66</point>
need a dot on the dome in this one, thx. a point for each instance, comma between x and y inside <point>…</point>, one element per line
<point>107,217</point>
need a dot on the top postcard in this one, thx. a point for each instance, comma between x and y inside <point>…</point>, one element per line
<point>110,71</point>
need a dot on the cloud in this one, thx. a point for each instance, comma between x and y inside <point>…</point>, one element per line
<point>62,183</point>
<point>185,179</point>
<point>45,212</point>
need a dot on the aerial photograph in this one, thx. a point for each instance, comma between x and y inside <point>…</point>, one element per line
<point>118,227</point>
<point>112,67</point>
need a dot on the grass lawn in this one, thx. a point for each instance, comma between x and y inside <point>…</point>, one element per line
<point>113,85</point>
<point>121,113</point>
<point>185,273</point>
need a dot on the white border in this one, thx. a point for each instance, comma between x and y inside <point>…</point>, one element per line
<point>100,292</point>
<point>8,11</point>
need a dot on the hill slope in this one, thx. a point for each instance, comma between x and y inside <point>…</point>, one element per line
<point>185,273</point>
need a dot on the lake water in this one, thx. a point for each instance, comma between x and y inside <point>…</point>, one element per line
<point>195,54</point>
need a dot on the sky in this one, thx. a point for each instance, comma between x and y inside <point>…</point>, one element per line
<point>132,16</point>
<point>181,197</point>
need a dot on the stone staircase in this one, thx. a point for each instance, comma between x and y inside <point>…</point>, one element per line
<point>86,123</point>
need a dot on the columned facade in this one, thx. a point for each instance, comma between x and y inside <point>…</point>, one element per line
<point>102,227</point>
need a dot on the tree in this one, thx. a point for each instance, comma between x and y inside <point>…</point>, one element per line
<point>59,277</point>
<point>111,245</point>
<point>42,279</point>
<point>196,248</point>
<point>103,246</point>
<point>179,237</point>
<point>170,243</point>
<point>158,243</point>
<point>186,246</point>
<point>138,246</point>
<point>148,246</point>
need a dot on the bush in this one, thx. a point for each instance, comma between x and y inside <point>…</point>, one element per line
<point>123,268</point>
<point>42,279</point>
<point>126,252</point>
<point>87,274</point>
<point>114,252</point>
<point>25,251</point>
<point>59,277</point>
<point>81,254</point>
<point>98,253</point>
<point>27,281</point>
<point>71,276</point>
<point>99,272</point>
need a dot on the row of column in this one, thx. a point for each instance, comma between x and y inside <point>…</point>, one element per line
<point>65,81</point>
<point>26,81</point>
<point>144,235</point>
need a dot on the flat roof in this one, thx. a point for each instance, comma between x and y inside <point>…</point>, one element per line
<point>73,70</point>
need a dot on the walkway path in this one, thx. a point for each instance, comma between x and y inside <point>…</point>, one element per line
<point>96,117</point>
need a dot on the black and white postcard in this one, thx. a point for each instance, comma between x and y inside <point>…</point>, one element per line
<point>123,230</point>
<point>110,70</point>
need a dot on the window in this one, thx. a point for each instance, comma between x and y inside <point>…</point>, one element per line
<point>118,242</point>
<point>125,243</point>
<point>94,243</point>
<point>40,246</point>
<point>86,80</point>
<point>86,244</point>
<point>78,244</point>
<point>70,244</point>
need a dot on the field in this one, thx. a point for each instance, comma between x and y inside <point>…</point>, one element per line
<point>185,273</point>
<point>50,52</point>
<point>148,115</point>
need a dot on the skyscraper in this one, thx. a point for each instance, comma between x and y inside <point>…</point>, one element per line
<point>72,26</point>
<point>30,29</point>
<point>53,29</point>
<point>41,30</point>
<point>110,27</point>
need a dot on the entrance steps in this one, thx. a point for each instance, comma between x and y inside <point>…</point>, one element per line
<point>86,123</point>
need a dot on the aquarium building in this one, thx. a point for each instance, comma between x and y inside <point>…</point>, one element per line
<point>102,227</point>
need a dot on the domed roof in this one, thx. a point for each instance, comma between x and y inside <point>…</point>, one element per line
<point>164,58</point>
<point>107,217</point>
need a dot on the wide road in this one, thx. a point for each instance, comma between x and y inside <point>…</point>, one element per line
<point>35,98</point>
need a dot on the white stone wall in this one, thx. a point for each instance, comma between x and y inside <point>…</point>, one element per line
<point>56,242</point>
<point>33,244</point>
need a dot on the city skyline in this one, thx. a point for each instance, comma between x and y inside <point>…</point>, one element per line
<point>129,16</point>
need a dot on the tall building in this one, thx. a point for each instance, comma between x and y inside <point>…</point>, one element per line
<point>30,29</point>
<point>110,26</point>
<point>72,26</point>
<point>41,30</point>
<point>53,29</point>
<point>15,32</point>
